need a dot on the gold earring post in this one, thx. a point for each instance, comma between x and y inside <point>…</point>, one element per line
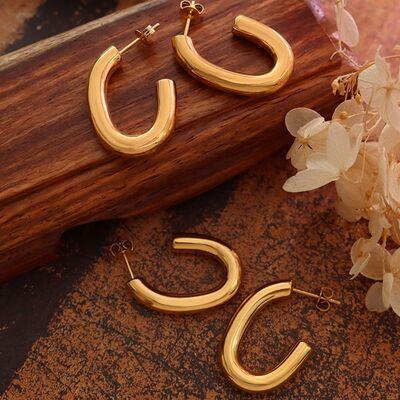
<point>324,299</point>
<point>192,10</point>
<point>141,36</point>
<point>128,265</point>
<point>121,248</point>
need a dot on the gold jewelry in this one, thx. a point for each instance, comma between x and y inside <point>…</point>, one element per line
<point>223,79</point>
<point>164,124</point>
<point>240,321</point>
<point>187,304</point>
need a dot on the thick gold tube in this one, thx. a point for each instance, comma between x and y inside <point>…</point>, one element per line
<point>189,304</point>
<point>238,324</point>
<point>111,137</point>
<point>235,82</point>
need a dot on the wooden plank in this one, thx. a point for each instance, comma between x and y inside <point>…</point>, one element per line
<point>54,174</point>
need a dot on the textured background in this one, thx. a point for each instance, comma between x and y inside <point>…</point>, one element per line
<point>71,330</point>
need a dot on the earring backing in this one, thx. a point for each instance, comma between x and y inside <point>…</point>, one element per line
<point>324,298</point>
<point>141,36</point>
<point>191,10</point>
<point>238,325</point>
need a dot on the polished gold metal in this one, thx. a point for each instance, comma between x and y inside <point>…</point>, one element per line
<point>190,9</point>
<point>187,304</point>
<point>237,327</point>
<point>229,81</point>
<point>122,248</point>
<point>111,137</point>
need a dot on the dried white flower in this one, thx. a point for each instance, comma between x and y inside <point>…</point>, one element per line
<point>383,295</point>
<point>341,153</point>
<point>359,150</point>
<point>381,91</point>
<point>369,258</point>
<point>310,131</point>
<point>355,192</point>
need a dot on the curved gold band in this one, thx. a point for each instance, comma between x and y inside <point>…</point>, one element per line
<point>223,79</point>
<point>238,324</point>
<point>128,145</point>
<point>187,304</point>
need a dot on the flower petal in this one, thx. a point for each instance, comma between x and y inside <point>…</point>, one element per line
<point>359,265</point>
<point>348,113</point>
<point>395,229</point>
<point>319,160</point>
<point>298,154</point>
<point>383,67</point>
<point>342,148</point>
<point>377,263</point>
<point>395,262</point>
<point>394,182</point>
<point>357,249</point>
<point>299,117</point>
<point>395,296</point>
<point>390,113</point>
<point>354,191</point>
<point>383,171</point>
<point>309,179</point>
<point>356,134</point>
<point>338,144</point>
<point>347,27</point>
<point>389,138</point>
<point>368,81</point>
<point>373,300</point>
<point>313,127</point>
<point>346,212</point>
<point>377,223</point>
<point>387,288</point>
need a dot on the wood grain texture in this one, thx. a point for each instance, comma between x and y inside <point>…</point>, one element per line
<point>54,173</point>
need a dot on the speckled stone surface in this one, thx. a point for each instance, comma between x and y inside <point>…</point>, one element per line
<point>72,331</point>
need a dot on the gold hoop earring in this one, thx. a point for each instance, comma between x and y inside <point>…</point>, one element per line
<point>234,82</point>
<point>110,136</point>
<point>240,321</point>
<point>187,304</point>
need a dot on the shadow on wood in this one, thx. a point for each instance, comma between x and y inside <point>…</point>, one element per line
<point>54,173</point>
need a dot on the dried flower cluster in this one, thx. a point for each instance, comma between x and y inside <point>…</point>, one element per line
<point>359,150</point>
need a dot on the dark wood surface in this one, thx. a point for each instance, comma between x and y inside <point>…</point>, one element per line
<point>71,330</point>
<point>54,173</point>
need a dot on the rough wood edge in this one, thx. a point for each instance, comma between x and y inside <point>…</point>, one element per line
<point>10,59</point>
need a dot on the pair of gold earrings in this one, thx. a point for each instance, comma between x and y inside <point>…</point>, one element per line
<point>195,65</point>
<point>240,321</point>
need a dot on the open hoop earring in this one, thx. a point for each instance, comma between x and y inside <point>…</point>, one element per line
<point>111,137</point>
<point>187,304</point>
<point>240,321</point>
<point>229,81</point>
